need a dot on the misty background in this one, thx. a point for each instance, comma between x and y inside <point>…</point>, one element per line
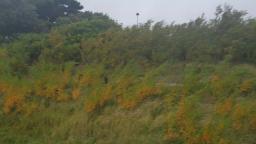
<point>168,10</point>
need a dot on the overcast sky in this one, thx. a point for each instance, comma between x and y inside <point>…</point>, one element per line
<point>123,11</point>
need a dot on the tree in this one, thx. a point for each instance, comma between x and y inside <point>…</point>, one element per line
<point>23,16</point>
<point>50,10</point>
<point>227,17</point>
<point>17,16</point>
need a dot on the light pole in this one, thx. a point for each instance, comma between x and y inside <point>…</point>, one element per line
<point>137,14</point>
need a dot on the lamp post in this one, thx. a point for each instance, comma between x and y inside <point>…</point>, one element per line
<point>137,14</point>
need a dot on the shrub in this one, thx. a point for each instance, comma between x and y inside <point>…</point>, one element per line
<point>76,93</point>
<point>246,86</point>
<point>146,91</point>
<point>13,102</point>
<point>225,107</point>
<point>253,123</point>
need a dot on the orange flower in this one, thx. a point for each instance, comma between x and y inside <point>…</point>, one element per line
<point>13,102</point>
<point>246,86</point>
<point>76,93</point>
<point>253,123</point>
<point>225,107</point>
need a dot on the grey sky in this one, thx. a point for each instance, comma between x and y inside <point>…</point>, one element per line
<point>168,10</point>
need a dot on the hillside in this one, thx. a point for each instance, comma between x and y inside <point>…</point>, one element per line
<point>87,80</point>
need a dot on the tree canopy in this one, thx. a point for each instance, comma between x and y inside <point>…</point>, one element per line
<point>17,16</point>
<point>50,10</point>
<point>23,16</point>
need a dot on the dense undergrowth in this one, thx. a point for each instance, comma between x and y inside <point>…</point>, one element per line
<point>92,81</point>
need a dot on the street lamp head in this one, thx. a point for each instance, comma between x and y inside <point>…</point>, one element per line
<point>137,14</point>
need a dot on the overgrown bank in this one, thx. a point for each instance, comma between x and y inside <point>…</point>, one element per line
<point>92,81</point>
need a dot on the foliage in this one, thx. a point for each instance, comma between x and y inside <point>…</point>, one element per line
<point>50,10</point>
<point>26,16</point>
<point>17,17</point>
<point>88,80</point>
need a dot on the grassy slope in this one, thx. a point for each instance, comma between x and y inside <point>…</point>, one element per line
<point>197,103</point>
<point>90,81</point>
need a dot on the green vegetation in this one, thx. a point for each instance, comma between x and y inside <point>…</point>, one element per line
<point>87,80</point>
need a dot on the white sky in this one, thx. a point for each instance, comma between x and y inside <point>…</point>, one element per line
<point>123,11</point>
